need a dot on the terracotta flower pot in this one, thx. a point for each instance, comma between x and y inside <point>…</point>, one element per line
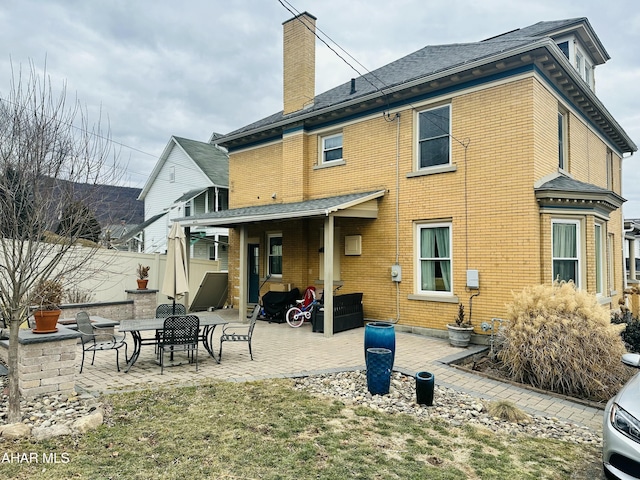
<point>142,283</point>
<point>46,321</point>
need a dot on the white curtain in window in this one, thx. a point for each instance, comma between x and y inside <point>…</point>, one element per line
<point>434,244</point>
<point>565,251</point>
<point>442,240</point>
<point>428,250</point>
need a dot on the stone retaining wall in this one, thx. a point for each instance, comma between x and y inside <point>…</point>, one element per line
<point>46,363</point>
<point>111,310</point>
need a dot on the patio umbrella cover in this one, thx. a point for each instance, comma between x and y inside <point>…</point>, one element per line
<point>176,282</point>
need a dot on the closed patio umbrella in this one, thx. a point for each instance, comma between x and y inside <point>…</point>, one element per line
<point>176,281</point>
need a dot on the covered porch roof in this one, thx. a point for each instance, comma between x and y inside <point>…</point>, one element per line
<point>360,205</point>
<point>352,205</point>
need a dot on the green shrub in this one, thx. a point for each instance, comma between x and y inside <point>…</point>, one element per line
<point>631,334</point>
<point>561,339</point>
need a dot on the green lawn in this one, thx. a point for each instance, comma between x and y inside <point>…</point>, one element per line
<point>267,430</point>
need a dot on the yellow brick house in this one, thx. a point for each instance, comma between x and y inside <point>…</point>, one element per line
<point>456,174</point>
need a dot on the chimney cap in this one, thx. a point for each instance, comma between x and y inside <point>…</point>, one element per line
<point>303,14</point>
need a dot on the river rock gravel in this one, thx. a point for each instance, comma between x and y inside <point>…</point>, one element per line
<point>349,387</point>
<point>449,405</point>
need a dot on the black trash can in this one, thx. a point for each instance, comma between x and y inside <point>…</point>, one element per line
<point>425,383</point>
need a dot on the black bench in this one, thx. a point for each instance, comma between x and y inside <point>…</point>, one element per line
<point>347,313</point>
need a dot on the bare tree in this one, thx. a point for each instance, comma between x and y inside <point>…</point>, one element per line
<point>48,150</point>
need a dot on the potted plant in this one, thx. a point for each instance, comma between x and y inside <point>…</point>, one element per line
<point>460,331</point>
<point>143,276</point>
<point>47,297</point>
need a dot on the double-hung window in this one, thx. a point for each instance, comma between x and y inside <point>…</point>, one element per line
<point>565,237</point>
<point>274,254</point>
<point>332,148</point>
<point>599,260</point>
<point>434,258</point>
<point>434,144</point>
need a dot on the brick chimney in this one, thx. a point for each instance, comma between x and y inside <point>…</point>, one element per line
<point>299,62</point>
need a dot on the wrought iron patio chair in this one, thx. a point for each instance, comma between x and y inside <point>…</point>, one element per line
<point>165,310</point>
<point>237,333</point>
<point>180,334</point>
<point>97,339</point>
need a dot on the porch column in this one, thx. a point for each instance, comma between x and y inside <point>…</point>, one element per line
<point>243,283</point>
<point>632,259</point>
<point>328,276</point>
<point>187,234</point>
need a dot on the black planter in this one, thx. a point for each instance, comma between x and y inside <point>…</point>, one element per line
<point>425,383</point>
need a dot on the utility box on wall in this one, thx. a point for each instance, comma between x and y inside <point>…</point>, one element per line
<point>353,245</point>
<point>396,273</point>
<point>473,279</point>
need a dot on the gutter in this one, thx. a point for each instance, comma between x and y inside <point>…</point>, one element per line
<point>547,43</point>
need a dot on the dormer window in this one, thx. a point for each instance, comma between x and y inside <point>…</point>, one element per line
<point>579,58</point>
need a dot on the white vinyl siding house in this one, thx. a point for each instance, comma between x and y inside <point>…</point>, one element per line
<point>190,177</point>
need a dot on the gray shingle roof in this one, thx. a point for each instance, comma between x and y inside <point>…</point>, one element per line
<point>564,190</point>
<point>209,158</point>
<point>308,208</point>
<point>427,61</point>
<point>567,184</point>
<point>190,194</point>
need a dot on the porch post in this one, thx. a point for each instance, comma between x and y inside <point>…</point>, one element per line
<point>328,276</point>
<point>242,274</point>
<point>187,234</point>
<point>632,259</point>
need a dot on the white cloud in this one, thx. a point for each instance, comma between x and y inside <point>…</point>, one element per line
<point>159,68</point>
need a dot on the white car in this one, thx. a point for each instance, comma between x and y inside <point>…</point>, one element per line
<point>621,429</point>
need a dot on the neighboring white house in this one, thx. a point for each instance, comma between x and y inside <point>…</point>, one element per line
<point>190,177</point>
<point>632,250</point>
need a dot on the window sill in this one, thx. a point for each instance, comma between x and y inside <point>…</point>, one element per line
<point>603,300</point>
<point>435,298</point>
<point>333,163</point>
<point>433,170</point>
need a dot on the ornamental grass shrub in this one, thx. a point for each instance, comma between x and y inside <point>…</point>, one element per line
<point>561,339</point>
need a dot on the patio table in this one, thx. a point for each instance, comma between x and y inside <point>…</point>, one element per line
<point>208,322</point>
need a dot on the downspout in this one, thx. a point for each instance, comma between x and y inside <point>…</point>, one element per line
<point>397,213</point>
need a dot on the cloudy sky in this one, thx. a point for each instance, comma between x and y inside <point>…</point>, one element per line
<point>158,68</point>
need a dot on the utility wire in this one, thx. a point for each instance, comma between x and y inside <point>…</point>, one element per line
<point>296,13</point>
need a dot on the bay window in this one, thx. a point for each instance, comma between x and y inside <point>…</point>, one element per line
<point>566,250</point>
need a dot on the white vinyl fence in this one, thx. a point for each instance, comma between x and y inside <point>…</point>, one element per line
<point>112,272</point>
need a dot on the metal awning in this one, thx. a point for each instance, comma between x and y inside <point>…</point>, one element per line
<point>356,205</point>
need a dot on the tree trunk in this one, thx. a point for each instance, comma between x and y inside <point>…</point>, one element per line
<point>14,377</point>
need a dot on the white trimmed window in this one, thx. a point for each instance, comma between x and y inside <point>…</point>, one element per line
<point>599,260</point>
<point>562,140</point>
<point>434,258</point>
<point>434,139</point>
<point>565,238</point>
<point>274,254</point>
<point>331,148</point>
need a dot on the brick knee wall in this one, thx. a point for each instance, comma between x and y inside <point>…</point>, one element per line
<point>46,367</point>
